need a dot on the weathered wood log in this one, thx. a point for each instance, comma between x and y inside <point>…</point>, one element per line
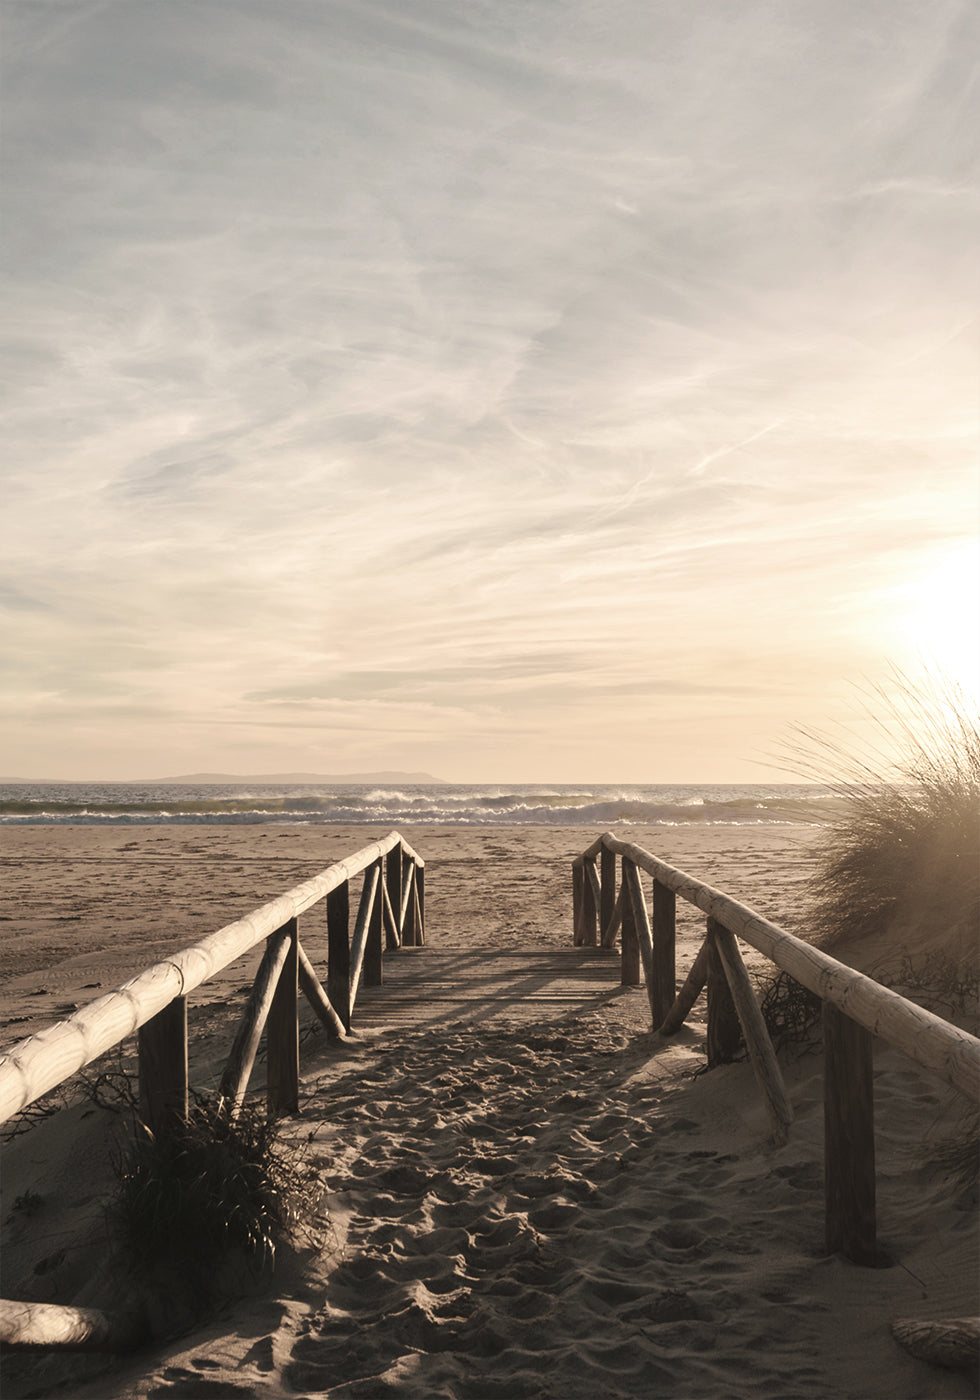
<point>607,883</point>
<point>760,1047</point>
<point>163,1067</point>
<point>419,904</point>
<point>578,896</point>
<point>590,906</point>
<point>393,882</point>
<point>282,1033</point>
<point>688,994</point>
<point>629,943</point>
<point>849,1138</point>
<point>406,918</point>
<point>723,1039</point>
<point>40,1062</point>
<point>641,928</point>
<point>375,939</point>
<point>312,989</point>
<point>393,938</point>
<point>953,1342</point>
<point>238,1068</point>
<point>419,895</point>
<point>663,987</point>
<point>924,1037</point>
<point>615,921</point>
<point>49,1326</point>
<point>359,938</point>
<point>338,952</point>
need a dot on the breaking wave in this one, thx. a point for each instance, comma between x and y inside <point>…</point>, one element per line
<point>131,804</point>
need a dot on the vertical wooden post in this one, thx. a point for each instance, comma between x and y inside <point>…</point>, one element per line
<point>664,988</point>
<point>607,884</point>
<point>578,891</point>
<point>282,1034</point>
<point>163,1066</point>
<point>393,881</point>
<point>849,1137</point>
<point>338,951</point>
<point>724,1037</point>
<point>372,954</point>
<point>630,948</point>
<point>590,913</point>
<point>408,901</point>
<point>420,905</point>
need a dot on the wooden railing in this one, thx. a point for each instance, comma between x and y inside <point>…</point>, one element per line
<point>855,1009</point>
<point>391,911</point>
<point>153,1005</point>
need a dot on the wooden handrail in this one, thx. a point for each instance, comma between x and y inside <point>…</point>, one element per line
<point>952,1053</point>
<point>855,1007</point>
<point>41,1062</point>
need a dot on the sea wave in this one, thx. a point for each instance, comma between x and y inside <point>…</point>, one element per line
<point>121,805</point>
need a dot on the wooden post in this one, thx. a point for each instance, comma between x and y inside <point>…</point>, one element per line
<point>849,1137</point>
<point>238,1069</point>
<point>407,919</point>
<point>313,991</point>
<point>616,918</point>
<point>664,983</point>
<point>590,905</point>
<point>282,1034</point>
<point>688,994</point>
<point>163,1067</point>
<point>420,903</point>
<point>372,953</point>
<point>338,951</point>
<point>393,939</point>
<point>578,896</point>
<point>607,886</point>
<point>393,882</point>
<point>630,948</point>
<point>362,924</point>
<point>724,1038</point>
<point>633,891</point>
<point>753,1024</point>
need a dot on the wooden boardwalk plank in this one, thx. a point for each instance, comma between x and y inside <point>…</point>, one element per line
<point>424,986</point>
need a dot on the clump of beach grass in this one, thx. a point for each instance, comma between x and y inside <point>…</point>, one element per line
<point>905,852</point>
<point>212,1191</point>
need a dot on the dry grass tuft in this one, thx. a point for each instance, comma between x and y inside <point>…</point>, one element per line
<point>907,847</point>
<point>208,1190</point>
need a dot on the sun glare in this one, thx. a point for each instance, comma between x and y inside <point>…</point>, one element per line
<point>942,625</point>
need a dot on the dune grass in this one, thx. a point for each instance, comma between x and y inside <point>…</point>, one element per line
<point>208,1190</point>
<point>907,846</point>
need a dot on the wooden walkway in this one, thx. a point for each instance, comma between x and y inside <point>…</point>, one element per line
<point>430,986</point>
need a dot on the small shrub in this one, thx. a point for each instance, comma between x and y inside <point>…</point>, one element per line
<point>211,1188</point>
<point>792,1012</point>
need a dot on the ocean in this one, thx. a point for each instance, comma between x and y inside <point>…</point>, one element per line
<point>443,804</point>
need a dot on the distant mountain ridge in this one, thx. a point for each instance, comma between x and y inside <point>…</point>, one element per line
<point>384,776</point>
<point>336,779</point>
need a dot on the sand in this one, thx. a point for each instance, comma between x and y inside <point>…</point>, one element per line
<point>560,1206</point>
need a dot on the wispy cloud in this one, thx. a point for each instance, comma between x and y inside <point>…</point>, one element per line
<point>448,377</point>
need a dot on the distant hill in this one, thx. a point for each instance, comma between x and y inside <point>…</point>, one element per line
<point>336,779</point>
<point>385,776</point>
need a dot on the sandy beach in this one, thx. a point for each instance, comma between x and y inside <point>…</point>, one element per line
<point>551,1207</point>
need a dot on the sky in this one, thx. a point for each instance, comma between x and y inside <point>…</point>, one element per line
<point>519,390</point>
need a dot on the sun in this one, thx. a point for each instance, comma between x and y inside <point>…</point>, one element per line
<point>942,624</point>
